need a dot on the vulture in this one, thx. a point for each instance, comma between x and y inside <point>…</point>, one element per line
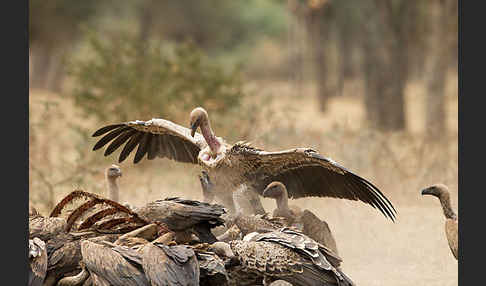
<point>284,254</point>
<point>148,263</point>
<point>170,265</point>
<point>184,217</point>
<point>37,261</point>
<point>109,267</point>
<point>451,225</point>
<point>304,171</point>
<point>112,173</point>
<point>306,221</point>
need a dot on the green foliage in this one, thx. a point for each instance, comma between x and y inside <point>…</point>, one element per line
<point>125,80</point>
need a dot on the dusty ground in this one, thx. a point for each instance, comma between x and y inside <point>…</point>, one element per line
<point>412,251</point>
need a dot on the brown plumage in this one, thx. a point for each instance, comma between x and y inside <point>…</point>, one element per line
<point>304,171</point>
<point>306,221</point>
<point>147,263</point>
<point>170,265</point>
<point>109,267</point>
<point>64,253</point>
<point>451,225</point>
<point>181,215</point>
<point>37,261</point>
<point>286,255</point>
<point>112,174</point>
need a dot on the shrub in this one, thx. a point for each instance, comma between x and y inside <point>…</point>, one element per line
<point>123,79</point>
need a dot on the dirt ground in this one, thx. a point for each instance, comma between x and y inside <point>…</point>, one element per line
<point>376,251</point>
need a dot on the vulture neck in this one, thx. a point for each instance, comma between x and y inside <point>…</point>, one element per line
<point>209,136</point>
<point>113,191</point>
<point>445,201</point>
<point>283,205</point>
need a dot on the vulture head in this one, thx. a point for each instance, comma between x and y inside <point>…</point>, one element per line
<point>113,172</point>
<point>438,190</point>
<point>274,190</point>
<point>198,117</point>
<point>214,152</point>
<point>442,193</point>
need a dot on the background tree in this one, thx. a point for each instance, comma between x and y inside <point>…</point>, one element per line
<point>442,46</point>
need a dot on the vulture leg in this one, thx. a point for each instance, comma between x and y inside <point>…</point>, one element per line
<point>255,202</point>
<point>250,202</point>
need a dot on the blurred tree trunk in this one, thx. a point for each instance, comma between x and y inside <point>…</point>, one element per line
<point>386,64</point>
<point>41,60</point>
<point>318,23</point>
<point>440,50</point>
<point>297,49</point>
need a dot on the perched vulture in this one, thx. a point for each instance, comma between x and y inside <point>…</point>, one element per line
<point>451,225</point>
<point>184,217</point>
<point>37,261</point>
<point>285,255</point>
<point>306,221</point>
<point>304,171</point>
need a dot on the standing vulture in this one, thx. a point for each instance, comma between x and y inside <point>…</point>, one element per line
<point>442,193</point>
<point>305,220</point>
<point>304,171</point>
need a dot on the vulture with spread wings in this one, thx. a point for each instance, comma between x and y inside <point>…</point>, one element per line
<point>304,171</point>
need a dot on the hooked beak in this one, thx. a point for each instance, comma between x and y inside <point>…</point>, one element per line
<point>194,127</point>
<point>264,194</point>
<point>428,191</point>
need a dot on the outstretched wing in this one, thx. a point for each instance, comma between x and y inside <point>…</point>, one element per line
<point>156,138</point>
<point>306,173</point>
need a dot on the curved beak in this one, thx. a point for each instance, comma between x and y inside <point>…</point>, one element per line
<point>264,194</point>
<point>194,127</point>
<point>428,191</point>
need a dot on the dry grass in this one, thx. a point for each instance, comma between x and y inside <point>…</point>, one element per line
<point>412,251</point>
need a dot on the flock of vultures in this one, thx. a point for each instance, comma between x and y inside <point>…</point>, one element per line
<point>94,240</point>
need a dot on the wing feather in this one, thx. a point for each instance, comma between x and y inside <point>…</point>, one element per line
<point>307,173</point>
<point>111,265</point>
<point>157,138</point>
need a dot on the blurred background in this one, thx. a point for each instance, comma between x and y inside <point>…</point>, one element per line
<point>370,83</point>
